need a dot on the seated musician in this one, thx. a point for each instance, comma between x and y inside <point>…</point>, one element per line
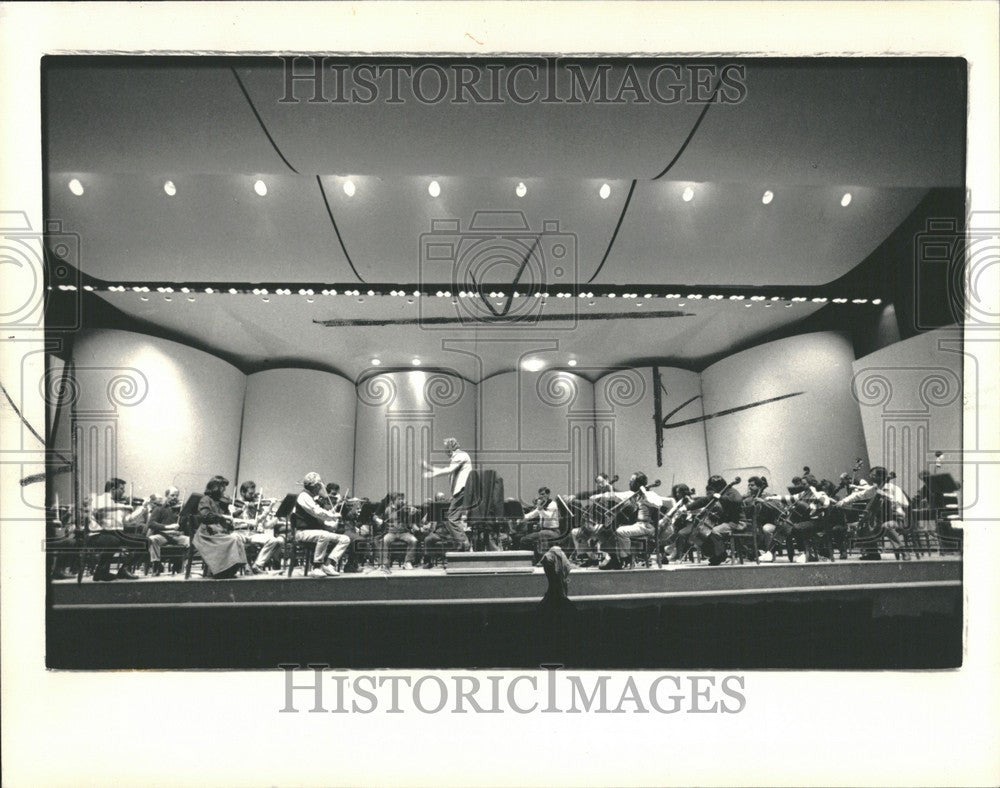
<point>677,525</point>
<point>114,513</point>
<point>647,506</point>
<point>890,506</point>
<point>439,535</point>
<point>801,518</point>
<point>718,514</point>
<point>64,531</point>
<point>164,528</point>
<point>398,521</point>
<point>546,512</point>
<point>220,549</point>
<point>938,498</point>
<point>590,537</point>
<point>316,524</point>
<point>349,511</point>
<point>255,525</point>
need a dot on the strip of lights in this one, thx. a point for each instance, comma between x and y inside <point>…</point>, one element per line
<point>311,290</point>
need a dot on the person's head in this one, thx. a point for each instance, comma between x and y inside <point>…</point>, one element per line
<point>715,484</point>
<point>115,486</point>
<point>248,490</point>
<point>680,491</point>
<point>545,492</point>
<point>440,497</point>
<point>171,496</point>
<point>312,482</point>
<point>879,475</point>
<point>451,445</point>
<point>603,481</point>
<point>216,486</point>
<point>637,480</point>
<point>756,484</point>
<point>332,489</point>
<point>810,481</point>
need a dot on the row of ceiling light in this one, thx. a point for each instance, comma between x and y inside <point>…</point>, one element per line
<point>531,364</point>
<point>434,189</point>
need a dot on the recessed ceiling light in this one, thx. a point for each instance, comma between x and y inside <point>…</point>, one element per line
<point>169,188</point>
<point>605,191</point>
<point>688,194</point>
<point>434,189</point>
<point>532,364</point>
<point>876,301</point>
<point>521,190</point>
<point>846,199</point>
<point>349,188</point>
<point>76,187</point>
<point>768,196</point>
<point>572,362</point>
<point>260,187</point>
<point>376,362</point>
<point>416,362</point>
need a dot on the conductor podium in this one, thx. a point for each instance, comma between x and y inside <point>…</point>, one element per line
<point>489,563</point>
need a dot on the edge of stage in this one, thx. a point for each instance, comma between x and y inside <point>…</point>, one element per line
<point>852,614</point>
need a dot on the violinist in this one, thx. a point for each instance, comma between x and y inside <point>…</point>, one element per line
<point>255,521</point>
<point>220,549</point>
<point>889,507</point>
<point>590,533</point>
<point>114,512</point>
<point>315,523</point>
<point>164,528</point>
<point>645,505</point>
<point>399,520</point>
<point>546,512</point>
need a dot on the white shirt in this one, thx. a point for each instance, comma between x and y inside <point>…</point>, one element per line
<point>898,498</point>
<point>308,504</point>
<point>461,465</point>
<point>112,515</point>
<point>651,497</point>
<point>548,516</point>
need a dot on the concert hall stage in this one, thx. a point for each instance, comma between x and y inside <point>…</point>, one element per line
<point>863,614</point>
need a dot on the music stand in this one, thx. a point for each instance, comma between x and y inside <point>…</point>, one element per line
<point>285,513</point>
<point>187,514</point>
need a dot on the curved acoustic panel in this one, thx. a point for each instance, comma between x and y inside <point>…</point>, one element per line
<point>151,117</point>
<point>296,421</point>
<point>506,138</point>
<point>478,229</point>
<point>626,429</point>
<point>537,429</point>
<point>154,412</point>
<point>885,123</point>
<point>726,234</point>
<point>214,227</point>
<point>403,419</point>
<point>816,423</point>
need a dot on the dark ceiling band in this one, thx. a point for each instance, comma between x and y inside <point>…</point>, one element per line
<point>471,320</point>
<point>340,240</point>
<point>614,235</point>
<point>260,121</point>
<point>690,136</point>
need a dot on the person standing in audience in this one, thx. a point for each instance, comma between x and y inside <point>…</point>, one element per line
<point>458,473</point>
<point>546,512</point>
<point>114,513</point>
<point>257,525</point>
<point>220,549</point>
<point>315,524</point>
<point>164,528</point>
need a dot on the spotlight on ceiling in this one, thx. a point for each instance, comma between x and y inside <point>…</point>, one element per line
<point>768,196</point>
<point>532,364</point>
<point>572,362</point>
<point>688,194</point>
<point>846,199</point>
<point>169,188</point>
<point>521,190</point>
<point>260,187</point>
<point>434,189</point>
<point>76,187</point>
<point>376,362</point>
<point>876,301</point>
<point>605,191</point>
<point>349,188</point>
<point>416,362</point>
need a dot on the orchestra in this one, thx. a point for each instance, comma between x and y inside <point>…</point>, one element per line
<point>603,527</point>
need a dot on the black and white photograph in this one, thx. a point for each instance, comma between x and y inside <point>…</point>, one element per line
<point>490,368</point>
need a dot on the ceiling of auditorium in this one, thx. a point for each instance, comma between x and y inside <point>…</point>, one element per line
<point>809,132</point>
